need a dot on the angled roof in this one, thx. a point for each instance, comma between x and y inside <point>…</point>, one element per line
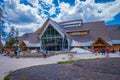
<point>115,41</point>
<point>114,32</point>
<point>31,37</point>
<point>39,31</point>
<point>54,24</point>
<point>82,38</point>
<point>28,44</point>
<point>96,29</point>
<point>100,39</point>
<point>34,37</point>
<point>61,28</point>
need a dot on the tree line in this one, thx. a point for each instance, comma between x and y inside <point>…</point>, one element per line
<point>11,38</point>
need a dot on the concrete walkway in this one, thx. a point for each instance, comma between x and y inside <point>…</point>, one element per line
<point>11,64</point>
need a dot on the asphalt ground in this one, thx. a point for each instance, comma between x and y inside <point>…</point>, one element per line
<point>98,69</point>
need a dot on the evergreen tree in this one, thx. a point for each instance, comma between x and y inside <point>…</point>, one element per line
<point>1,29</point>
<point>17,33</point>
<point>12,38</point>
<point>11,33</point>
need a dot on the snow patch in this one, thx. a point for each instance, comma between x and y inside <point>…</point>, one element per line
<point>80,50</point>
<point>33,51</point>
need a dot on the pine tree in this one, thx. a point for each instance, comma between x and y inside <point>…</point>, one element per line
<point>1,29</point>
<point>12,33</point>
<point>12,38</point>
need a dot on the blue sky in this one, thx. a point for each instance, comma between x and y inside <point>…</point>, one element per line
<point>29,15</point>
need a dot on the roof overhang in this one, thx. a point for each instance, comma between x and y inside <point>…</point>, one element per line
<point>105,42</point>
<point>28,44</point>
<point>115,41</point>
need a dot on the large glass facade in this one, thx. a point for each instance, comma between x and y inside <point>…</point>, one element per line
<point>52,40</point>
<point>65,43</point>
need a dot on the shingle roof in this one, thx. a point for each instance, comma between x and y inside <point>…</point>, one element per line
<point>28,44</point>
<point>61,28</point>
<point>82,38</point>
<point>115,41</point>
<point>31,37</point>
<point>34,37</point>
<point>114,32</point>
<point>40,30</point>
<point>96,29</point>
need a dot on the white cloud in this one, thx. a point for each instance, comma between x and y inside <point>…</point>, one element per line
<point>34,3</point>
<point>110,10</point>
<point>26,28</point>
<point>21,16</point>
<point>52,10</point>
<point>48,1</point>
<point>19,13</point>
<point>89,10</point>
<point>27,17</point>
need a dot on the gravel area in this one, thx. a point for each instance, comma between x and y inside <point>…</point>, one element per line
<point>101,69</point>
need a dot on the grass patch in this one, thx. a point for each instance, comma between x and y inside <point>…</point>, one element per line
<point>72,61</point>
<point>6,78</point>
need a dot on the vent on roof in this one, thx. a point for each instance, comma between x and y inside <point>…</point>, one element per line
<point>72,24</point>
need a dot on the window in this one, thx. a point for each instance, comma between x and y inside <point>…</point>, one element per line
<point>78,32</point>
<point>65,43</point>
<point>51,40</point>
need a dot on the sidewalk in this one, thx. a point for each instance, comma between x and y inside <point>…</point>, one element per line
<point>11,64</point>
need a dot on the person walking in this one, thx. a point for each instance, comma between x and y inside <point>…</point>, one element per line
<point>18,52</point>
<point>8,52</point>
<point>44,55</point>
<point>15,52</point>
<point>103,51</point>
<point>107,50</point>
<point>96,51</point>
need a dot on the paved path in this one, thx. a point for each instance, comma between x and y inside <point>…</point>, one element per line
<point>11,64</point>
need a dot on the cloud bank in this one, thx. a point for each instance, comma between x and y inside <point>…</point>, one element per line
<point>28,15</point>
